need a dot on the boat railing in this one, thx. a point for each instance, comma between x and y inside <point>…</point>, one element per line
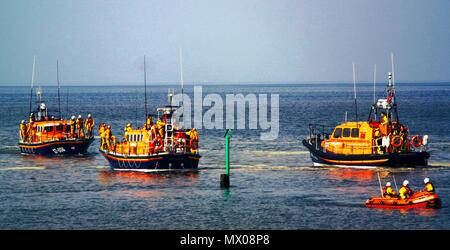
<point>135,149</point>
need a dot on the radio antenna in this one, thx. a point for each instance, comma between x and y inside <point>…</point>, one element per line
<point>145,87</point>
<point>32,81</point>
<point>354,93</point>
<point>57,79</point>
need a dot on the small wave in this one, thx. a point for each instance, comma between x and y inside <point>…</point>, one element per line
<point>439,164</point>
<point>277,153</point>
<point>22,168</point>
<point>101,167</point>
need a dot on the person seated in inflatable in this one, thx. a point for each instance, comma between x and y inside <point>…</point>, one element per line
<point>388,191</point>
<point>405,191</point>
<point>429,187</point>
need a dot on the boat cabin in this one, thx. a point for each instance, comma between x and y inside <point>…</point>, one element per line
<point>350,138</point>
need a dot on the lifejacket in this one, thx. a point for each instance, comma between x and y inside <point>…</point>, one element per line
<point>89,123</point>
<point>80,122</point>
<point>429,187</point>
<point>405,192</point>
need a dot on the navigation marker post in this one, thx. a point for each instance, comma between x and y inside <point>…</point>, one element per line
<point>225,178</point>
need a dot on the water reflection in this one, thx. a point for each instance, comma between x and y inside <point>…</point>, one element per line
<point>108,177</point>
<point>359,175</point>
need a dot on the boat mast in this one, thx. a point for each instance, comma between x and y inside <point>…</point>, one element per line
<point>59,97</point>
<point>145,87</point>
<point>374,81</point>
<point>181,80</point>
<point>354,92</point>
<point>32,81</point>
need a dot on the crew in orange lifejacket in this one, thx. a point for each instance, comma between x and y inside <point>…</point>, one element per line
<point>23,131</point>
<point>101,131</point>
<point>429,186</point>
<point>80,126</point>
<point>89,124</point>
<point>378,140</point>
<point>148,122</point>
<point>160,127</point>
<point>405,191</point>
<point>72,126</point>
<point>107,134</point>
<point>193,140</point>
<point>31,131</point>
<point>388,192</point>
<point>383,123</point>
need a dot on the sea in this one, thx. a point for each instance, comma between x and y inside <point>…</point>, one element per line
<point>273,183</point>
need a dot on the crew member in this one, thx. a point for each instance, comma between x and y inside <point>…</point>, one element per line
<point>80,126</point>
<point>108,137</point>
<point>428,186</point>
<point>101,131</point>
<point>23,131</point>
<point>148,123</point>
<point>378,140</point>
<point>89,124</point>
<point>127,129</point>
<point>388,191</point>
<point>160,127</point>
<point>405,191</point>
<point>72,126</point>
<point>193,140</point>
<point>383,123</point>
<point>31,130</point>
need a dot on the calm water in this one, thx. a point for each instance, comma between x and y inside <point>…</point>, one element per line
<point>273,183</point>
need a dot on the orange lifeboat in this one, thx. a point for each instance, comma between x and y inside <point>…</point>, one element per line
<point>421,199</point>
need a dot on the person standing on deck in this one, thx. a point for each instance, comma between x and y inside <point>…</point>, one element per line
<point>23,130</point>
<point>89,124</point>
<point>108,137</point>
<point>384,123</point>
<point>101,131</point>
<point>160,127</point>
<point>72,126</point>
<point>80,126</point>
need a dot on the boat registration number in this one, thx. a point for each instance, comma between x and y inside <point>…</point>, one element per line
<point>59,150</point>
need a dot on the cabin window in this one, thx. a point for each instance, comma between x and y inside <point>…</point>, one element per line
<point>59,128</point>
<point>337,133</point>
<point>346,132</point>
<point>48,129</point>
<point>355,132</point>
<point>128,138</point>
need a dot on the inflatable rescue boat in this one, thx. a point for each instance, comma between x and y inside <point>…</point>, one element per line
<point>422,199</point>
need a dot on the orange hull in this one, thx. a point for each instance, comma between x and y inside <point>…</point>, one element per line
<point>420,199</point>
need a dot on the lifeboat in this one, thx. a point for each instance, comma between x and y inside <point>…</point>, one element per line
<point>155,147</point>
<point>380,141</point>
<point>48,135</point>
<point>421,199</point>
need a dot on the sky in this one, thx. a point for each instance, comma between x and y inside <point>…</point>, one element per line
<point>230,41</point>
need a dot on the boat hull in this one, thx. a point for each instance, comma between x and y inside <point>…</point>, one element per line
<point>152,163</point>
<point>418,200</point>
<point>63,147</point>
<point>410,159</point>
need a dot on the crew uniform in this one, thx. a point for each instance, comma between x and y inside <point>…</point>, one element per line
<point>388,191</point>
<point>72,126</point>
<point>429,187</point>
<point>405,191</point>
<point>89,124</point>
<point>80,126</point>
<point>23,131</point>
